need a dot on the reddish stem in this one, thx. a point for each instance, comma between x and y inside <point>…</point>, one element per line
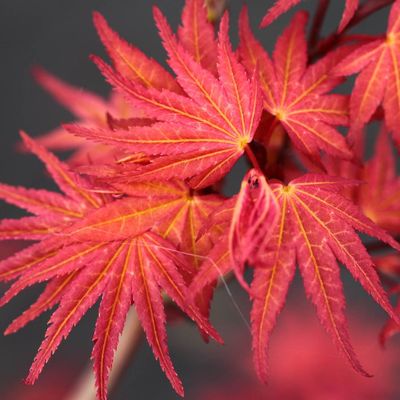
<point>318,21</point>
<point>270,131</point>
<point>363,12</point>
<point>252,157</point>
<point>366,9</point>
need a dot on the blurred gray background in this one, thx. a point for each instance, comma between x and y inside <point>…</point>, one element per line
<point>59,36</point>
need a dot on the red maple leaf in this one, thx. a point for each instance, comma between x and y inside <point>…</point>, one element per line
<point>379,190</point>
<point>152,226</point>
<point>248,221</point>
<point>254,217</point>
<point>282,6</point>
<point>89,109</point>
<point>379,196</point>
<point>131,62</point>
<point>388,266</point>
<point>196,34</point>
<point>379,79</point>
<point>316,227</point>
<point>296,94</point>
<point>185,228</point>
<point>199,136</point>
<point>94,247</point>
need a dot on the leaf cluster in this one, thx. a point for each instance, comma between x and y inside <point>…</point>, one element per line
<point>145,223</point>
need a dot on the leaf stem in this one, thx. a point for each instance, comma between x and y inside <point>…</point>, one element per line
<point>271,130</point>
<point>318,20</point>
<point>364,11</point>
<point>128,344</point>
<point>252,157</point>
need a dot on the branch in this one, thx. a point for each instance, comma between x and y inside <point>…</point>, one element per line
<point>128,344</point>
<point>364,11</point>
<point>318,21</point>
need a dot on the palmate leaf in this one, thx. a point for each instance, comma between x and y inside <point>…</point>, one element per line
<point>131,62</point>
<point>379,191</point>
<point>185,226</point>
<point>53,211</point>
<point>197,34</point>
<point>296,95</point>
<point>282,6</point>
<point>379,196</point>
<point>92,247</point>
<point>82,104</point>
<point>391,327</point>
<point>389,266</point>
<point>89,109</point>
<point>135,268</point>
<point>248,221</point>
<point>316,227</point>
<point>211,127</point>
<point>379,79</point>
<point>254,218</point>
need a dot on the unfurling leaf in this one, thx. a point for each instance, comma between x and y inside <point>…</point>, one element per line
<point>254,218</point>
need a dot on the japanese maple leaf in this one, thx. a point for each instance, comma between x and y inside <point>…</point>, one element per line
<point>198,137</point>
<point>131,62</point>
<point>254,218</point>
<point>379,191</point>
<point>92,110</point>
<point>248,220</point>
<point>378,81</point>
<point>196,33</point>
<point>316,227</point>
<point>389,266</point>
<point>282,6</point>
<point>379,196</point>
<point>391,327</point>
<point>184,228</point>
<point>296,94</point>
<point>92,248</point>
<point>89,109</point>
<point>53,211</point>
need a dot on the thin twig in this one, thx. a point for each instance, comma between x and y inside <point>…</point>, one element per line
<point>128,344</point>
<point>318,20</point>
<point>363,12</point>
<point>366,9</point>
<point>252,157</point>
